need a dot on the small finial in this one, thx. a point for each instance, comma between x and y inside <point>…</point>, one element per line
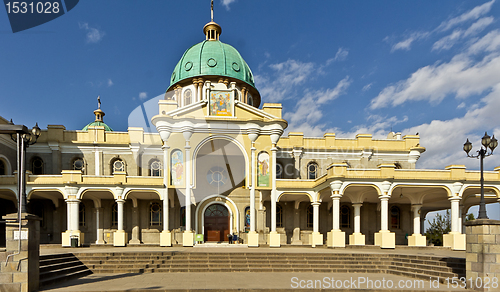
<point>99,102</point>
<point>11,122</point>
<point>212,10</point>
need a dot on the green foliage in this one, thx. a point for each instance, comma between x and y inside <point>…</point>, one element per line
<point>437,227</point>
<point>469,217</point>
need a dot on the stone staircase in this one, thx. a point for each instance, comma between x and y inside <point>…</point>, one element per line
<point>414,266</point>
<point>60,267</point>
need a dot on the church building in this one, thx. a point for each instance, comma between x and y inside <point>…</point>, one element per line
<point>221,164</point>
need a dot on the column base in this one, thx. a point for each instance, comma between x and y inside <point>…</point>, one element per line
<point>188,238</point>
<point>165,238</point>
<point>454,240</point>
<point>274,239</point>
<point>385,239</point>
<point>417,240</point>
<point>120,238</point>
<point>357,239</point>
<point>68,234</point>
<point>100,242</point>
<point>335,238</point>
<point>253,239</point>
<point>316,238</point>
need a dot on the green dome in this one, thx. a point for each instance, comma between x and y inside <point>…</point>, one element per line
<point>106,127</point>
<point>213,58</point>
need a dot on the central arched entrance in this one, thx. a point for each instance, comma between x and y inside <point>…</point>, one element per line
<point>216,222</point>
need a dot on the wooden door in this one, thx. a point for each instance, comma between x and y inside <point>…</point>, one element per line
<point>216,223</point>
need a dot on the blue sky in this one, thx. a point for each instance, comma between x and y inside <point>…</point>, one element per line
<point>347,67</point>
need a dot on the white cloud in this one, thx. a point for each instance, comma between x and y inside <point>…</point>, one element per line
<point>309,109</point>
<point>94,35</point>
<point>376,125</point>
<point>143,95</point>
<point>341,54</point>
<point>406,43</point>
<point>285,76</point>
<point>472,14</point>
<point>448,41</point>
<point>463,76</point>
<point>110,82</point>
<point>461,105</point>
<point>444,138</point>
<point>367,87</point>
<point>227,3</point>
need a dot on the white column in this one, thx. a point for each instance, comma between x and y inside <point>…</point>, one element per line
<point>273,191</point>
<point>455,204</point>
<point>316,216</point>
<point>336,211</point>
<point>357,217</point>
<point>187,164</point>
<point>252,189</point>
<point>73,214</point>
<point>461,218</point>
<point>416,219</point>
<point>99,239</point>
<point>384,207</point>
<point>166,175</point>
<point>297,153</point>
<point>120,203</point>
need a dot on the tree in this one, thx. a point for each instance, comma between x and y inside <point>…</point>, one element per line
<point>469,217</point>
<point>437,227</point>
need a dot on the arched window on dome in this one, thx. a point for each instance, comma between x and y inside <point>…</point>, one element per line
<point>37,165</point>
<point>250,100</point>
<point>188,95</point>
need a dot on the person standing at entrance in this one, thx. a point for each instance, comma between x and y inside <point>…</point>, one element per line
<point>230,238</point>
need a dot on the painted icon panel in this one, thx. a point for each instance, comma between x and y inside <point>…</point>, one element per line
<point>263,170</point>
<point>177,167</point>
<point>221,103</point>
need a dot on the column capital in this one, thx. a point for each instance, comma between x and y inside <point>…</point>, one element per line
<point>384,198</point>
<point>73,201</point>
<point>316,203</point>
<point>336,196</point>
<point>454,198</point>
<point>120,201</point>
<point>165,146</point>
<point>336,185</point>
<point>355,205</point>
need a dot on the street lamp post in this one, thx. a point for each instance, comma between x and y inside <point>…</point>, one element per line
<point>486,142</point>
<point>23,138</point>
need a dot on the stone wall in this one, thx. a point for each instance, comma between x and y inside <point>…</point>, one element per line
<point>483,254</point>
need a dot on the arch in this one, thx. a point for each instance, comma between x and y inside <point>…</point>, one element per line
<point>311,198</point>
<point>44,193</point>
<point>7,196</point>
<point>202,143</point>
<point>345,186</point>
<point>420,185</point>
<point>216,199</point>
<point>490,187</point>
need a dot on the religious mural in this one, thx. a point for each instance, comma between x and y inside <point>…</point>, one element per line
<point>221,103</point>
<point>263,170</point>
<point>247,218</point>
<point>177,167</point>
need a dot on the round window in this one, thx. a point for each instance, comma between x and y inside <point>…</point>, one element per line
<point>211,62</point>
